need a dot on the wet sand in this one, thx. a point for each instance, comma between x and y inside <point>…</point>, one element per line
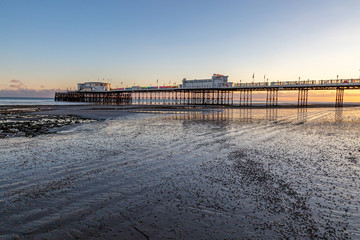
<point>174,173</point>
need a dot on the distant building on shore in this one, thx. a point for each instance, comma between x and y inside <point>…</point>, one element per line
<point>217,80</point>
<point>93,87</point>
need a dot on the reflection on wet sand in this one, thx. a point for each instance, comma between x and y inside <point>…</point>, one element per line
<point>302,115</point>
<point>339,115</point>
<point>248,115</point>
<point>215,174</point>
<point>271,114</point>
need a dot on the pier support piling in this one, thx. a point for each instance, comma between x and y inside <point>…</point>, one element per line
<point>272,97</point>
<point>339,102</point>
<point>303,97</point>
<point>246,98</point>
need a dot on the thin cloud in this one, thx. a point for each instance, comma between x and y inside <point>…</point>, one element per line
<point>24,92</point>
<point>16,81</point>
<point>16,84</point>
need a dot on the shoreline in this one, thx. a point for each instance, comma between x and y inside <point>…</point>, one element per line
<point>31,121</point>
<point>107,107</point>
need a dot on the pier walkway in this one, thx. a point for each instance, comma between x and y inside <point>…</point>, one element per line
<point>173,95</point>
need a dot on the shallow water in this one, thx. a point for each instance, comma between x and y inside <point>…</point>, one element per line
<point>260,173</point>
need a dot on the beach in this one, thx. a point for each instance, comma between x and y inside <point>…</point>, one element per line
<point>132,172</point>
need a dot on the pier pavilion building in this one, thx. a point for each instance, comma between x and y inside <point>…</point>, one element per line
<point>93,87</point>
<point>217,80</point>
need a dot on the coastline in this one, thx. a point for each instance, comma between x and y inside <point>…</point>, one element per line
<point>33,120</point>
<point>103,111</point>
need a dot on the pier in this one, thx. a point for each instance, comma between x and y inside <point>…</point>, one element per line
<point>222,96</point>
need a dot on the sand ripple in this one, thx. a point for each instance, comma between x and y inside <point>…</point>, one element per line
<point>236,174</point>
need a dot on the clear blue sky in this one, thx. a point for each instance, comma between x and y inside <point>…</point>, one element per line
<point>57,43</point>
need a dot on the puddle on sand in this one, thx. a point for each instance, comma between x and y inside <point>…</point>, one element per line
<point>280,173</point>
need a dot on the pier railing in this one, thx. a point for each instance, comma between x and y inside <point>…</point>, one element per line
<point>297,83</point>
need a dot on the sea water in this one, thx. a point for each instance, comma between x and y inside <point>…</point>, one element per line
<point>4,101</point>
<point>233,173</point>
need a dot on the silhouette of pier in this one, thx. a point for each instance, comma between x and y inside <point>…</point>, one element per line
<point>223,96</point>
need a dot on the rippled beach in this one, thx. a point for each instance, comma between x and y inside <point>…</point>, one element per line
<point>187,174</point>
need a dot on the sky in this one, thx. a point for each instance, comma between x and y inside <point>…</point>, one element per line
<point>51,45</point>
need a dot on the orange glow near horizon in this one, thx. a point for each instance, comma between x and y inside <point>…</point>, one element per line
<point>314,96</point>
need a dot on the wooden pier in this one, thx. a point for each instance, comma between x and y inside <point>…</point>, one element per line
<point>223,96</point>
